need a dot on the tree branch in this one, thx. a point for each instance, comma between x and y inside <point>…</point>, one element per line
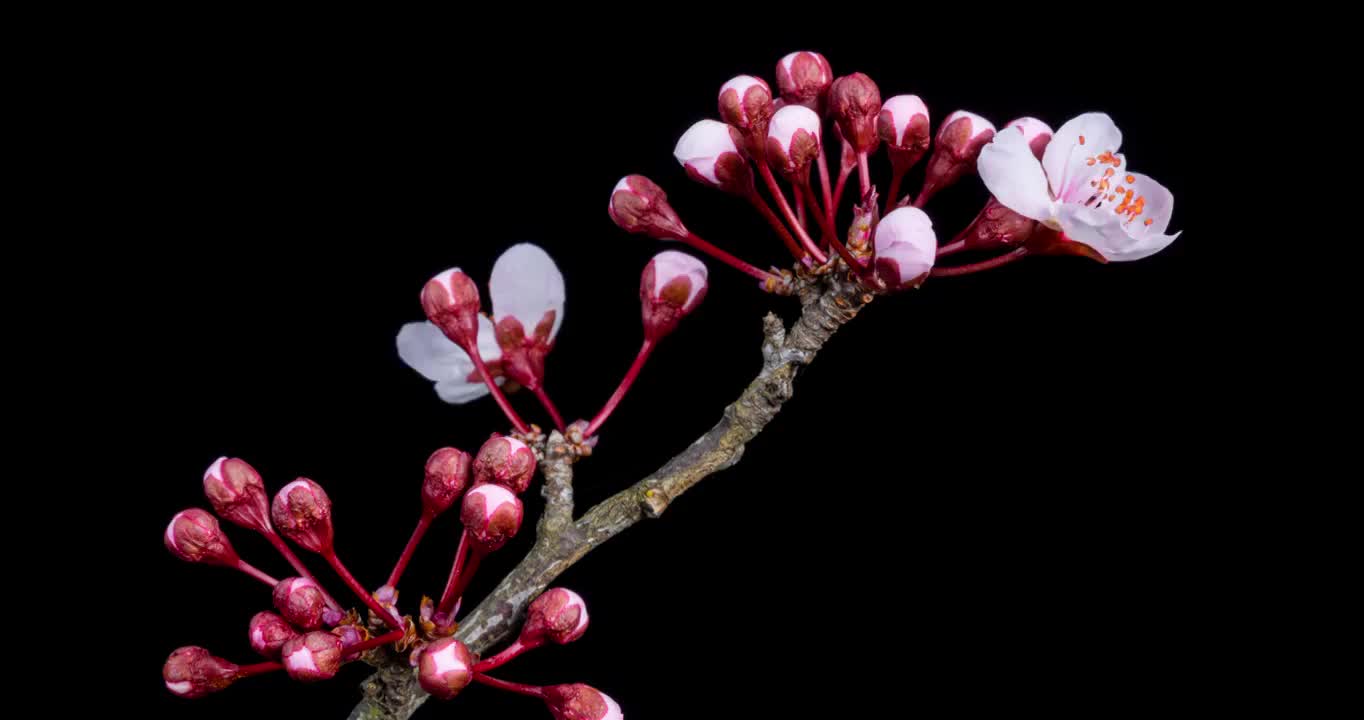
<point>827,303</point>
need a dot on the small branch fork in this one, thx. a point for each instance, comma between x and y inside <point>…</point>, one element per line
<point>828,302</point>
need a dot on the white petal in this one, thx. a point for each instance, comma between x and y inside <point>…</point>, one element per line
<point>703,144</point>
<point>1012,174</point>
<point>526,284</point>
<point>426,349</point>
<point>786,121</point>
<point>1082,137</point>
<point>1105,232</point>
<point>906,226</point>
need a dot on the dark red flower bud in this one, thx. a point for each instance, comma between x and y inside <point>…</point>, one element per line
<point>997,226</point>
<point>451,302</point>
<point>193,672</point>
<point>639,206</point>
<point>269,632</point>
<point>303,513</point>
<point>804,78</point>
<point>445,668</point>
<point>351,635</point>
<point>558,616</point>
<point>193,535</point>
<point>672,285</point>
<point>238,494</point>
<point>447,477</point>
<point>580,702</point>
<point>855,103</point>
<point>312,657</point>
<point>492,515</point>
<point>301,602</point>
<point>505,461</point>
<point>959,142</point>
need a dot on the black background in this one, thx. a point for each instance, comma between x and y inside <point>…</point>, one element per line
<point>987,494</point>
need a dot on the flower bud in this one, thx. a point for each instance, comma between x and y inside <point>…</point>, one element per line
<point>303,513</point>
<point>746,103</point>
<point>793,140</point>
<point>445,668</point>
<point>301,602</point>
<point>672,286</point>
<point>193,535</point>
<point>903,127</point>
<point>351,635</point>
<point>312,657</point>
<point>959,142</point>
<point>905,248</point>
<point>855,103</point>
<point>1035,132</point>
<point>558,616</point>
<point>492,515</point>
<point>238,494</point>
<point>193,672</point>
<point>709,152</point>
<point>804,78</point>
<point>639,206</point>
<point>447,476</point>
<point>505,461</point>
<point>581,702</point>
<point>269,632</point>
<point>997,226</point>
<point>451,303</point>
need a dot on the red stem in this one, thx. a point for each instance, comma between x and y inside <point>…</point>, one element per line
<point>507,410</point>
<point>549,407</point>
<point>456,568</point>
<point>360,591</point>
<point>827,188</point>
<point>299,567</point>
<point>246,671</point>
<point>695,241</point>
<point>800,207</point>
<point>771,217</point>
<point>382,640</point>
<point>977,267</point>
<point>953,247</point>
<point>465,577</point>
<point>518,688</point>
<point>630,377</point>
<point>863,173</point>
<point>251,570</point>
<point>843,176</point>
<point>790,216</point>
<point>834,241</point>
<point>897,175</point>
<point>502,658</point>
<point>417,533</point>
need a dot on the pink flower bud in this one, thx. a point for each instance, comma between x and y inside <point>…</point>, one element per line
<point>959,142</point>
<point>351,635</point>
<point>855,103</point>
<point>672,286</point>
<point>709,152</point>
<point>238,494</point>
<point>450,300</point>
<point>505,461</point>
<point>492,515</point>
<point>804,78</point>
<point>269,632</point>
<point>581,702</point>
<point>558,616</point>
<point>905,248</point>
<point>193,672</point>
<point>193,535</point>
<point>445,668</point>
<point>746,103</point>
<point>1035,132</point>
<point>639,206</point>
<point>301,602</point>
<point>312,657</point>
<point>903,127</point>
<point>447,476</point>
<point>303,513</point>
<point>793,140</point>
<point>997,226</point>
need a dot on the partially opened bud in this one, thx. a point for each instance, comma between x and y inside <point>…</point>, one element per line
<point>505,461</point>
<point>193,535</point>
<point>193,672</point>
<point>447,476</point>
<point>351,635</point>
<point>672,286</point>
<point>905,248</point>
<point>312,657</point>
<point>580,702</point>
<point>445,668</point>
<point>492,515</point>
<point>269,632</point>
<point>1035,132</point>
<point>709,152</point>
<point>639,206</point>
<point>558,616</point>
<point>301,602</point>
<point>997,226</point>
<point>238,494</point>
<point>903,127</point>
<point>303,513</point>
<point>746,103</point>
<point>855,103</point>
<point>451,303</point>
<point>803,78</point>
<point>793,140</point>
<point>959,142</point>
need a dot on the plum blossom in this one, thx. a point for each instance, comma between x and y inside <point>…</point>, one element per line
<point>1081,188</point>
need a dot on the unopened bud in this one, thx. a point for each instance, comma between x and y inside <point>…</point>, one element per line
<point>639,206</point>
<point>709,152</point>
<point>193,672</point>
<point>959,142</point>
<point>312,657</point>
<point>672,285</point>
<point>303,513</point>
<point>1035,132</point>
<point>558,616</point>
<point>904,128</point>
<point>193,535</point>
<point>351,635</point>
<point>746,103</point>
<point>505,461</point>
<point>301,602</point>
<point>793,140</point>
<point>997,226</point>
<point>238,494</point>
<point>451,303</point>
<point>447,476</point>
<point>906,248</point>
<point>803,78</point>
<point>580,702</point>
<point>492,515</point>
<point>269,632</point>
<point>855,103</point>
<point>445,668</point>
